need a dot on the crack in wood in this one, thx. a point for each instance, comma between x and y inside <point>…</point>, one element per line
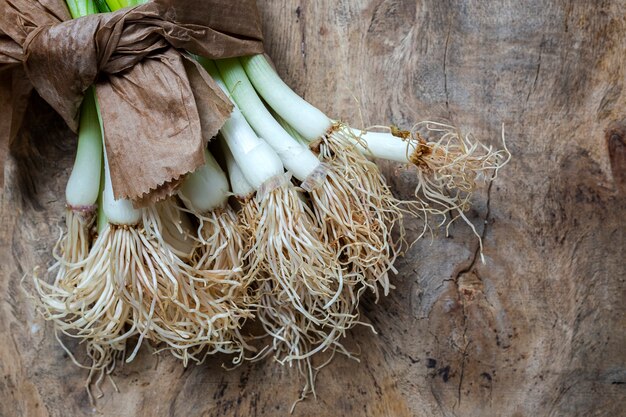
<point>534,86</point>
<point>445,69</point>
<point>461,299</point>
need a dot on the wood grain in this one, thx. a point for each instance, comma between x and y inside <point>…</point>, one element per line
<point>538,330</point>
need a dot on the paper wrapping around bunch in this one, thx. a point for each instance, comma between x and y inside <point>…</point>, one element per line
<point>158,106</point>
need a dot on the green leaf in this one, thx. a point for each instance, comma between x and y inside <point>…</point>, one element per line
<point>102,6</point>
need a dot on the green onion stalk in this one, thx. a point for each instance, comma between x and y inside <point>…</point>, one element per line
<point>205,194</point>
<point>244,204</point>
<point>81,195</point>
<point>78,305</point>
<point>303,301</point>
<point>449,166</point>
<point>81,192</point>
<point>293,336</point>
<point>221,244</point>
<point>353,223</point>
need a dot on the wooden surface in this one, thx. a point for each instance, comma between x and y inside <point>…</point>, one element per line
<point>539,330</point>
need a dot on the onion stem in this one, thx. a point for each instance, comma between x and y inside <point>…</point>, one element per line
<point>449,165</point>
<point>206,189</point>
<point>120,4</point>
<point>310,122</point>
<point>118,211</point>
<point>257,160</point>
<point>240,186</point>
<point>296,157</point>
<point>84,183</point>
<point>80,8</point>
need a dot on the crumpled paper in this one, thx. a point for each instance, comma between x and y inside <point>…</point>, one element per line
<point>158,106</point>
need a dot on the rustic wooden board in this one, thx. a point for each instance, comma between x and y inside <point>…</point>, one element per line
<point>539,330</point>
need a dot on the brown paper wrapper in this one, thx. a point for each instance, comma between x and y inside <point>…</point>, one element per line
<point>159,108</point>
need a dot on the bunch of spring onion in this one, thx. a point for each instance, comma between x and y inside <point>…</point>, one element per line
<point>348,206</point>
<point>314,226</point>
<point>142,278</point>
<point>303,298</point>
<point>308,286</point>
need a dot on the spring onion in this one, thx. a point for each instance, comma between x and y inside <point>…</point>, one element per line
<point>303,303</point>
<point>219,255</point>
<point>448,163</point>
